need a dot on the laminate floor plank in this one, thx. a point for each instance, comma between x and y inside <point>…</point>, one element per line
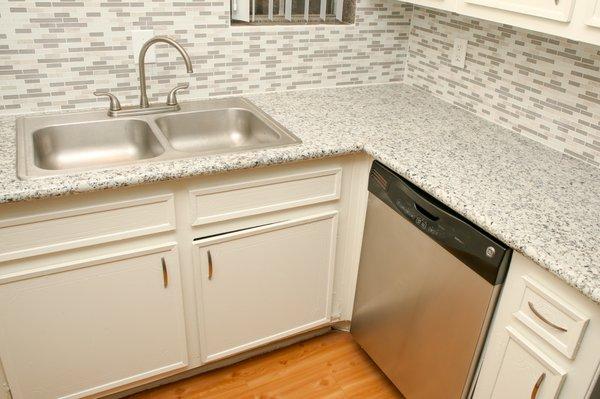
<point>331,366</point>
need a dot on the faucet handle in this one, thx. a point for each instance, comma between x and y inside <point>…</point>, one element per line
<point>115,105</point>
<point>172,97</point>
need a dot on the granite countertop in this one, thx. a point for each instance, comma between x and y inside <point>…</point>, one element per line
<point>538,201</point>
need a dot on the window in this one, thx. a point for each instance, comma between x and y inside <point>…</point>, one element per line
<point>277,12</point>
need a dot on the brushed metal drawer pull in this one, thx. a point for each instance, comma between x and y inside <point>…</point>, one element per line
<point>536,387</point>
<point>545,320</point>
<point>165,272</point>
<point>210,265</point>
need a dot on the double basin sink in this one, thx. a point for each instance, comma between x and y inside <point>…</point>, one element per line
<point>72,143</point>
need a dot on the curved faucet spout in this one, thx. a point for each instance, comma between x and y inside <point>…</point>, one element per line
<point>158,39</point>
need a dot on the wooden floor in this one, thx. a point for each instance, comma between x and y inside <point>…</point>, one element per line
<point>329,366</point>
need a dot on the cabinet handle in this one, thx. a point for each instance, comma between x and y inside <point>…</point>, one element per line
<point>165,272</point>
<point>210,265</point>
<point>536,387</point>
<point>545,320</point>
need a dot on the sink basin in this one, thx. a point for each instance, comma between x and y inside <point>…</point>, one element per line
<point>227,129</point>
<point>51,145</point>
<point>84,145</point>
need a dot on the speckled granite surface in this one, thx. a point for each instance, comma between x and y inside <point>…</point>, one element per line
<point>536,200</point>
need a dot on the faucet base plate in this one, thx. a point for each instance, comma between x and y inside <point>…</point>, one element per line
<point>134,110</point>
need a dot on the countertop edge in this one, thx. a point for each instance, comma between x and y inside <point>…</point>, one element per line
<point>547,264</point>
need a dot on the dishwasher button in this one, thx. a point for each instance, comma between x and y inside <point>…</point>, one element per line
<point>490,252</point>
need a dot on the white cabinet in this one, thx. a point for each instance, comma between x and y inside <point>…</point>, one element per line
<point>540,344</point>
<point>595,18</point>
<point>525,371</point>
<point>558,10</point>
<point>79,328</point>
<point>88,309</point>
<point>572,19</point>
<point>265,283</point>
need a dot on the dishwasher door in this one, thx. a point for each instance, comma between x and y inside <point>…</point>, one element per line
<point>420,312</point>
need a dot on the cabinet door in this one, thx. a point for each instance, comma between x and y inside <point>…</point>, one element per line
<point>595,18</point>
<point>558,10</point>
<point>264,284</point>
<point>80,328</point>
<point>520,371</point>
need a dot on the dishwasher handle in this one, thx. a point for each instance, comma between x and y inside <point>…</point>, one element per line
<point>425,207</point>
<point>390,187</point>
<point>418,207</point>
<point>426,213</point>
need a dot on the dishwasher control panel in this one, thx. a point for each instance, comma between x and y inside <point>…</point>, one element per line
<point>479,250</point>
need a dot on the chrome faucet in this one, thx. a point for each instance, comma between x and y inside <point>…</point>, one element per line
<point>158,39</point>
<point>145,107</point>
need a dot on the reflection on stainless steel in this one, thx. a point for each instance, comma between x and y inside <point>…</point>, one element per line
<point>216,130</point>
<point>414,311</point>
<point>142,66</point>
<point>423,302</point>
<point>71,143</point>
<point>87,144</point>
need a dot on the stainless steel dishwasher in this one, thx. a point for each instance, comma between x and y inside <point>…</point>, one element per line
<point>427,286</point>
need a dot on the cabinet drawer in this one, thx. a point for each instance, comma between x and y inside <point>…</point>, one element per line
<point>526,372</point>
<point>224,202</point>
<point>551,318</point>
<point>558,10</point>
<point>77,227</point>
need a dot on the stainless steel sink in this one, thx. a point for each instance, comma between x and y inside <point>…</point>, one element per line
<point>83,145</point>
<point>220,130</point>
<point>71,143</point>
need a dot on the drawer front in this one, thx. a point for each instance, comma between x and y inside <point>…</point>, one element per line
<point>224,202</point>
<point>526,372</point>
<point>561,10</point>
<point>77,227</point>
<point>551,318</point>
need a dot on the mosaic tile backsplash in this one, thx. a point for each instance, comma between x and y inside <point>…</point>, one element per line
<point>54,54</point>
<point>544,87</point>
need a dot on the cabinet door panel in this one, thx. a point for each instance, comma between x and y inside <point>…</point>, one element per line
<point>595,18</point>
<point>71,332</point>
<point>265,284</point>
<point>521,370</point>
